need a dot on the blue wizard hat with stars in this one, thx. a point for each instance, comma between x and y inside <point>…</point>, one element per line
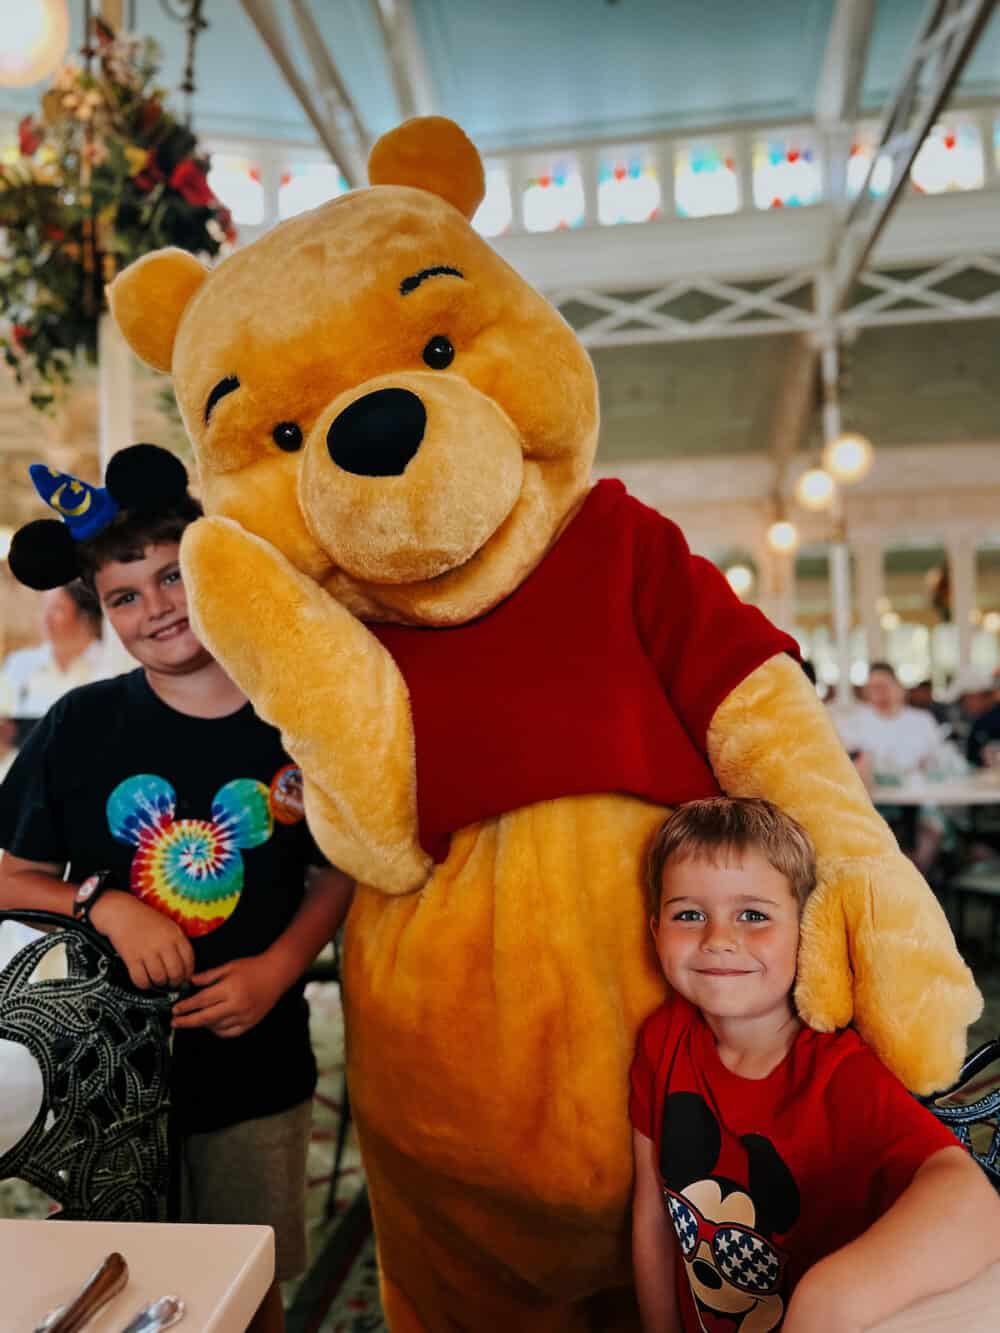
<point>143,479</point>
<point>85,509</point>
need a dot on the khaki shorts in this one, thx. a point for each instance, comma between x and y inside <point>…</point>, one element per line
<point>253,1173</point>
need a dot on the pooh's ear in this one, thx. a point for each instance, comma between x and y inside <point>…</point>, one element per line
<point>148,298</point>
<point>430,153</point>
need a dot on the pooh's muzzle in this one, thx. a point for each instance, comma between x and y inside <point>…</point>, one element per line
<point>407,476</point>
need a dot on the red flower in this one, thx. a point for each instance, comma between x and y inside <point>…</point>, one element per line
<point>54,233</point>
<point>191,183</point>
<point>20,333</point>
<point>29,137</point>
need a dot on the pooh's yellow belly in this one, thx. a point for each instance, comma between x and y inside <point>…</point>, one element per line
<point>492,1020</point>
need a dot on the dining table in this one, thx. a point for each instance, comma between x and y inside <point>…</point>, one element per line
<point>221,1273</point>
<point>981,787</point>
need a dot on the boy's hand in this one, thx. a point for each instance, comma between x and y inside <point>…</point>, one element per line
<point>153,948</point>
<point>233,998</point>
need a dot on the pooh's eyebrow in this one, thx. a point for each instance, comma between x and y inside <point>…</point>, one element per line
<point>221,389</point>
<point>411,283</point>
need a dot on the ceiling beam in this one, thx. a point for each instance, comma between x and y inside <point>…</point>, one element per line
<point>324,96</point>
<point>943,45</point>
<point>838,93</point>
<point>407,62</point>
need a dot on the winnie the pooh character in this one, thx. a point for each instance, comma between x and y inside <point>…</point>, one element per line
<point>494,676</point>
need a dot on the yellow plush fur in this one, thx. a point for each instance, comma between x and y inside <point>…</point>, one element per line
<point>493,1000</point>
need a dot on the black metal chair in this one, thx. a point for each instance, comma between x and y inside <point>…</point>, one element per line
<point>99,1143</point>
<point>971,1117</point>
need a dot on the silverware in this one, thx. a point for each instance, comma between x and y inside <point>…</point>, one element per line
<point>103,1285</point>
<point>157,1316</point>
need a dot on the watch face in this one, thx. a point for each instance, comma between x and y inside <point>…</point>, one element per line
<point>87,888</point>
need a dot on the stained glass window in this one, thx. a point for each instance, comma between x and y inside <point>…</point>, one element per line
<point>236,181</point>
<point>705,180</point>
<point>307,185</point>
<point>786,173</point>
<point>858,163</point>
<point>496,213</point>
<point>950,158</point>
<point>553,197</point>
<point>628,189</point>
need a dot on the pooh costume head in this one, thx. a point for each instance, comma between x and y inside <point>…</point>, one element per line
<point>495,677</point>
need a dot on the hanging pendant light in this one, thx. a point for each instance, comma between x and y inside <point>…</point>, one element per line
<point>34,42</point>
<point>849,457</point>
<point>815,489</point>
<point>783,537</point>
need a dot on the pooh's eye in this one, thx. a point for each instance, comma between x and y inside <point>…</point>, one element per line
<point>288,436</point>
<point>439,352</point>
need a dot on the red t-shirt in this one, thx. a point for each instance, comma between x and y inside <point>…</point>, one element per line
<point>600,673</point>
<point>763,1177</point>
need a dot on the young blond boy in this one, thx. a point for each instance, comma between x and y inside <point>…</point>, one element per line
<point>784,1178</point>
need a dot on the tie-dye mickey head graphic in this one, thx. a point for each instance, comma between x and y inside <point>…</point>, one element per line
<point>725,1228</point>
<point>189,869</point>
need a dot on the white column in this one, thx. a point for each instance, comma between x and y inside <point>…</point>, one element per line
<point>870,566</point>
<point>777,585</point>
<point>840,603</point>
<point>962,576</point>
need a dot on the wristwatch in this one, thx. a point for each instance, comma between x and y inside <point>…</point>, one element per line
<point>88,893</point>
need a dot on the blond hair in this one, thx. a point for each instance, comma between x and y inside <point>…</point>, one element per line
<point>704,829</point>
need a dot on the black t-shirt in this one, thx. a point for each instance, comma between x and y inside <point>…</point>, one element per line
<point>201,818</point>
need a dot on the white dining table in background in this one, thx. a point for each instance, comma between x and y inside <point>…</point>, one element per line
<point>980,788</point>
<point>222,1273</point>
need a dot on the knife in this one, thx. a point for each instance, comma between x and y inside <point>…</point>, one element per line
<point>157,1316</point>
<point>102,1286</point>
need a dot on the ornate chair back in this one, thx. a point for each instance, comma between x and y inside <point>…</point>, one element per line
<point>99,1142</point>
<point>971,1109</point>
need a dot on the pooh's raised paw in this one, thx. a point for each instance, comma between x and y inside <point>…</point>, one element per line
<point>913,995</point>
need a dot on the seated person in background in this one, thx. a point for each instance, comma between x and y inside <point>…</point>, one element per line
<point>971,695</point>
<point>984,739</point>
<point>895,743</point>
<point>32,679</point>
<point>921,696</point>
<point>175,811</point>
<point>779,1172</point>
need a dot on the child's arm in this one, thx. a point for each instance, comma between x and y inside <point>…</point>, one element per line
<point>941,1231</point>
<point>237,995</point>
<point>153,948</point>
<point>654,1245</point>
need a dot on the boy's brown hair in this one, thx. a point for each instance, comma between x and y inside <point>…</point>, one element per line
<point>129,535</point>
<point>705,829</point>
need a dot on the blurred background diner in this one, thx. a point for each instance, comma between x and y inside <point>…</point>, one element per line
<point>773,225</point>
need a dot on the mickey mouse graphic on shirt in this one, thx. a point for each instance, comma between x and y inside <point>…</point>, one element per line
<point>192,869</point>
<point>724,1227</point>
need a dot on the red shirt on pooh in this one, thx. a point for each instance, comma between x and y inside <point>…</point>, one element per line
<point>600,673</point>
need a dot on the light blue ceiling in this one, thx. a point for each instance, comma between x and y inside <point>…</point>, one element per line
<point>520,72</point>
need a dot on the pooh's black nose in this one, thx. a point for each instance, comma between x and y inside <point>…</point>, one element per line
<point>378,434</point>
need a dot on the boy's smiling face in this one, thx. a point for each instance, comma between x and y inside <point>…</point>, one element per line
<point>727,935</point>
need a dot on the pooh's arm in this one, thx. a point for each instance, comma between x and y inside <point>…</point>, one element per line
<point>312,669</point>
<point>875,943</point>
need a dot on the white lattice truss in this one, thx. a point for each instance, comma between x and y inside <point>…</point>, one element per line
<point>740,309</point>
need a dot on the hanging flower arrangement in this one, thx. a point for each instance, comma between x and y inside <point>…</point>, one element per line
<point>102,176</point>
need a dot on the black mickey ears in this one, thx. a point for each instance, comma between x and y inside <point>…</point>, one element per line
<point>142,479</point>
<point>43,555</point>
<point>145,479</point>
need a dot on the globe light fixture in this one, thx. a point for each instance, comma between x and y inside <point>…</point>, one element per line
<point>740,579</point>
<point>991,621</point>
<point>815,489</point>
<point>35,40</point>
<point>783,537</point>
<point>849,457</point>
<point>890,621</point>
